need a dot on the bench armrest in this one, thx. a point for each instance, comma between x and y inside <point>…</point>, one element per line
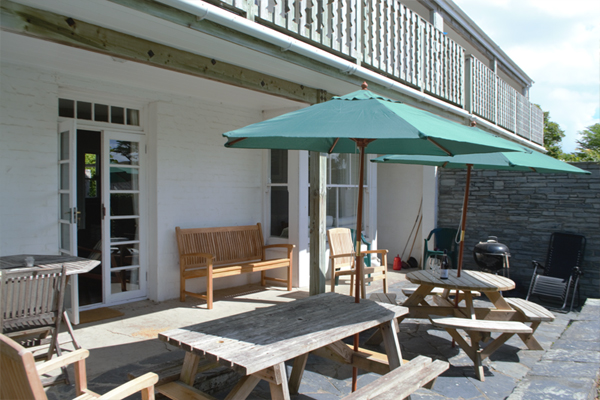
<point>144,382</point>
<point>380,251</point>
<point>62,361</point>
<point>342,255</point>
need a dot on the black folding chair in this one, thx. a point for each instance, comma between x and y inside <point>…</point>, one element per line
<point>562,269</point>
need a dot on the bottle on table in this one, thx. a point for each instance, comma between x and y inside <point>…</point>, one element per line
<point>445,267</point>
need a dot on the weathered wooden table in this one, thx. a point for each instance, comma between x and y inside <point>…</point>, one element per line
<point>75,265</point>
<point>256,344</point>
<point>469,281</point>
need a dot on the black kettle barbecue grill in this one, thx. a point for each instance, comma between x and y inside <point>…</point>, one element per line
<point>492,256</point>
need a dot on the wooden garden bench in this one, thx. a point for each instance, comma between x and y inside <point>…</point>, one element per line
<point>530,312</point>
<point>226,251</point>
<point>477,330</point>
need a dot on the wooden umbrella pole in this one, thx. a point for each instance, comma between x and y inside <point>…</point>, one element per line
<point>361,143</point>
<point>463,222</point>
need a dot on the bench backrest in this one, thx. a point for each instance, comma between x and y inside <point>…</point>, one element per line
<point>227,244</point>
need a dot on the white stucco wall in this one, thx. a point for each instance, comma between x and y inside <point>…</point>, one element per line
<point>398,205</point>
<point>200,183</point>
<point>28,161</point>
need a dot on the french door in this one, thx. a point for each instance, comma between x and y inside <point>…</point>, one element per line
<point>123,230</point>
<point>117,239</point>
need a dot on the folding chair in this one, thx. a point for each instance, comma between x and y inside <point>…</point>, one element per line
<point>562,269</point>
<point>20,375</point>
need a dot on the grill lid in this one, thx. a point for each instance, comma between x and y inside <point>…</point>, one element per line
<point>491,247</point>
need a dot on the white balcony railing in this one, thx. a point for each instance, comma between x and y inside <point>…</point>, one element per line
<point>388,37</point>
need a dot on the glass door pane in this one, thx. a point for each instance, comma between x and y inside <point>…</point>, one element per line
<point>123,220</point>
<point>67,206</point>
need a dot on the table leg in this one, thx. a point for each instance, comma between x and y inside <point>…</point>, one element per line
<point>297,372</point>
<point>280,391</point>
<point>498,301</point>
<point>469,304</point>
<point>390,342</point>
<point>243,388</point>
<point>189,368</point>
<point>418,296</point>
<point>529,340</point>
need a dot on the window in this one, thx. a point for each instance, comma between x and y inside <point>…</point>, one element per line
<point>279,195</point>
<point>342,190</point>
<point>98,112</point>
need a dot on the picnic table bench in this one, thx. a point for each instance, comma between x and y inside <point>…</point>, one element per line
<point>226,251</point>
<point>477,330</point>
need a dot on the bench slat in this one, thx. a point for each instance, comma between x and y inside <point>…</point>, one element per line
<point>401,382</point>
<point>480,325</point>
<point>531,311</point>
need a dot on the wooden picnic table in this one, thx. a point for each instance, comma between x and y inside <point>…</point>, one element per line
<point>75,265</point>
<point>470,281</point>
<point>257,343</point>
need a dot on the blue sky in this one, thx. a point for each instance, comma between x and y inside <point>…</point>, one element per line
<point>556,43</point>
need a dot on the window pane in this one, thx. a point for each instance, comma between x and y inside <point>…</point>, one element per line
<point>124,255</point>
<point>124,229</point>
<point>64,206</point>
<point>64,145</point>
<point>117,115</point>
<point>124,152</point>
<point>124,204</point>
<point>101,112</point>
<point>279,211</point>
<point>125,281</point>
<point>64,176</point>
<point>133,117</point>
<point>65,237</point>
<point>122,178</point>
<point>84,110</point>
<point>279,166</point>
<point>66,108</point>
<point>342,206</point>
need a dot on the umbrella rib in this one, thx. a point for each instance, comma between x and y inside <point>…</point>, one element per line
<point>333,145</point>
<point>440,146</point>
<point>234,141</point>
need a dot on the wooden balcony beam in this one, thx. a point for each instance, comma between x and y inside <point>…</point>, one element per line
<point>64,30</point>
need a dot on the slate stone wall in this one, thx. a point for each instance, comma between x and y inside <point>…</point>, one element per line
<point>522,210</point>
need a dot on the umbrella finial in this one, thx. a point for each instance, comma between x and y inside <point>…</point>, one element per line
<point>473,123</point>
<point>364,86</point>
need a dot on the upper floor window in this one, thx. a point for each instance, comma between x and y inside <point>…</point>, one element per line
<point>98,112</point>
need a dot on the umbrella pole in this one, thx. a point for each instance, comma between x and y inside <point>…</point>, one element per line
<point>358,262</point>
<point>463,222</point>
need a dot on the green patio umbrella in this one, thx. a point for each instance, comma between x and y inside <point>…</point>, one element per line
<point>363,122</point>
<point>526,160</point>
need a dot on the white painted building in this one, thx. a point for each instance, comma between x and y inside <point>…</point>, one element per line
<point>117,108</point>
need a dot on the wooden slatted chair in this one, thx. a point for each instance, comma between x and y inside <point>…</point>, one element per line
<point>343,256</point>
<point>32,306</point>
<point>20,376</point>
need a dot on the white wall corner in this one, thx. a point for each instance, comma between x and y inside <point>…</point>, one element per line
<point>430,202</point>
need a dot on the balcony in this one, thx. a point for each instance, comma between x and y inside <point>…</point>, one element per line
<point>391,39</point>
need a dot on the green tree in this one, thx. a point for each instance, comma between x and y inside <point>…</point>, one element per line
<point>552,137</point>
<point>589,144</point>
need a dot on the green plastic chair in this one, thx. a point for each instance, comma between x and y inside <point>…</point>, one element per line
<point>443,239</point>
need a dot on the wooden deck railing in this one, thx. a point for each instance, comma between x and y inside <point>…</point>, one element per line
<point>388,37</point>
